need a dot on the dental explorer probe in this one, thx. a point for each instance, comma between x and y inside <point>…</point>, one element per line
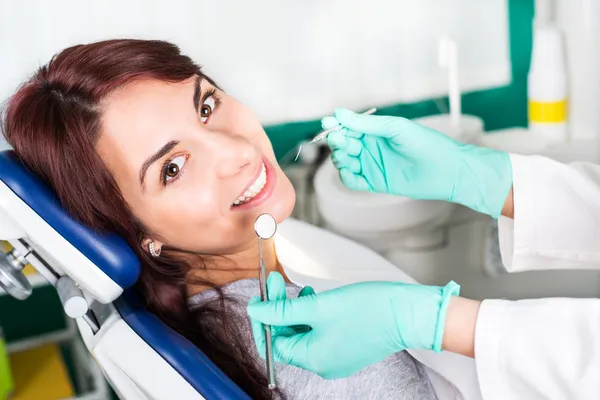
<point>265,227</point>
<point>326,132</point>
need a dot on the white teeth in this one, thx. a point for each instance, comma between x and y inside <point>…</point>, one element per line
<point>254,189</point>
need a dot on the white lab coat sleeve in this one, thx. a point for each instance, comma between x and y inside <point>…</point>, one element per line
<point>539,349</point>
<point>556,216</point>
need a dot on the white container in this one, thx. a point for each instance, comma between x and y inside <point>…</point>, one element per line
<point>548,85</point>
<point>579,20</point>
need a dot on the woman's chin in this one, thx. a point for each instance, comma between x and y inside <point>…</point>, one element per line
<point>281,205</point>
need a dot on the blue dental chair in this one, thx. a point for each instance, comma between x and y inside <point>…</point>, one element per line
<point>140,356</point>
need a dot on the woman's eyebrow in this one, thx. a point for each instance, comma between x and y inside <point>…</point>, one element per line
<point>197,92</point>
<point>160,153</point>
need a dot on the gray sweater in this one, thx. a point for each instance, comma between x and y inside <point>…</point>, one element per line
<point>399,376</point>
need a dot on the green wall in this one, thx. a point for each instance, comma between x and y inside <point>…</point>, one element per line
<point>499,108</point>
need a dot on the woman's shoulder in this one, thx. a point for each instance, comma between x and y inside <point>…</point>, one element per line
<point>237,292</point>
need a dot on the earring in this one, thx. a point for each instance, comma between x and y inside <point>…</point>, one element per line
<point>153,252</point>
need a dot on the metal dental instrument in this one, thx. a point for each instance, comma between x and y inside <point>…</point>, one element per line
<point>326,132</point>
<point>265,227</point>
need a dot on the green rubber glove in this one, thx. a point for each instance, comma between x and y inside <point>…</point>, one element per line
<point>356,325</point>
<point>276,290</point>
<point>397,156</point>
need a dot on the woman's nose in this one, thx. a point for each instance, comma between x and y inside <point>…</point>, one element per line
<point>232,154</point>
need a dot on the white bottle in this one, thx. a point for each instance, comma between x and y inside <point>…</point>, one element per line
<point>579,21</point>
<point>548,85</point>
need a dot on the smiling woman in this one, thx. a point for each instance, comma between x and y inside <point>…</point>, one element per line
<point>134,138</point>
<point>182,155</point>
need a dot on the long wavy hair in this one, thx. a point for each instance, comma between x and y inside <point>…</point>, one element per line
<point>53,122</point>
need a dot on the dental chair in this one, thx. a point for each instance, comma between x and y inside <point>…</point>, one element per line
<point>141,357</point>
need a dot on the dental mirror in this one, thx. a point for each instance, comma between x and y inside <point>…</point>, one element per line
<point>265,226</point>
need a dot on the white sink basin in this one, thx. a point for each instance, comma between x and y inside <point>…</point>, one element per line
<point>364,215</point>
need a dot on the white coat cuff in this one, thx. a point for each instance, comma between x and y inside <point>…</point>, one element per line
<point>516,236</point>
<point>489,335</point>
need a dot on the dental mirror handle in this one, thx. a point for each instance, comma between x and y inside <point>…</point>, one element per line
<point>265,227</point>
<point>267,328</point>
<point>271,363</point>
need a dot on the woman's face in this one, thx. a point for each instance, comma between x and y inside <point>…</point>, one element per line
<point>194,165</point>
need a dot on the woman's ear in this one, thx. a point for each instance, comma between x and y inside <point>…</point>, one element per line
<point>153,247</point>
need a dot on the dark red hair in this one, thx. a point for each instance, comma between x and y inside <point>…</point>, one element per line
<point>53,123</point>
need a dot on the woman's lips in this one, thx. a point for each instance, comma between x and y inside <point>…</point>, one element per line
<point>266,191</point>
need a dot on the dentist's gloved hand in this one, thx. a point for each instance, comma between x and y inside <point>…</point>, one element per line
<point>397,156</point>
<point>356,325</point>
<point>276,290</point>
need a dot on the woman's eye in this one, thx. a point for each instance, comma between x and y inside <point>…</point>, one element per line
<point>207,108</point>
<point>174,167</point>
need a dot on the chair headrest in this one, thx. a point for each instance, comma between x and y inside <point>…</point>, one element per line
<point>108,252</point>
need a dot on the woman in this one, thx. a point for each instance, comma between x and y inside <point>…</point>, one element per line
<point>528,349</point>
<point>134,138</point>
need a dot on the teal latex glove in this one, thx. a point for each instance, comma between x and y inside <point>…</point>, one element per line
<point>356,325</point>
<point>397,156</point>
<point>276,291</point>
